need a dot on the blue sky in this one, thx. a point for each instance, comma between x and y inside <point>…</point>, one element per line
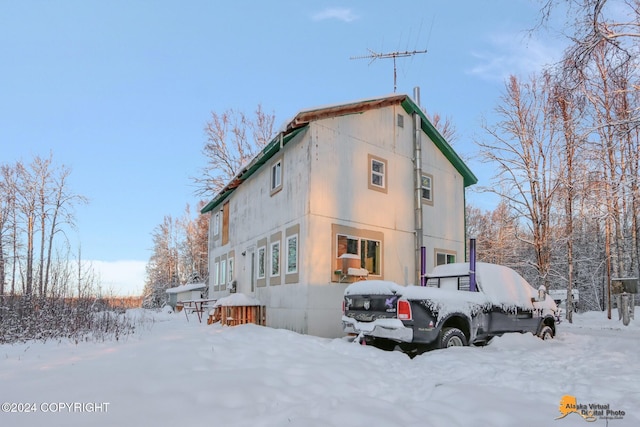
<point>119,91</point>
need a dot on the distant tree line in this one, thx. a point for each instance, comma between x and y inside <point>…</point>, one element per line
<point>566,150</point>
<point>179,255</point>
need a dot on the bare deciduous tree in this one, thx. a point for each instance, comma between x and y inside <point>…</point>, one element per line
<point>523,148</point>
<point>233,139</point>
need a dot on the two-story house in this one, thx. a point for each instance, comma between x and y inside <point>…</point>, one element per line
<point>361,190</point>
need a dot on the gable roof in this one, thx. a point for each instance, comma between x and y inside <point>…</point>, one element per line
<point>301,121</point>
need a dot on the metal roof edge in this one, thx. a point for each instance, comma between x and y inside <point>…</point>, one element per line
<point>444,147</point>
<point>267,152</point>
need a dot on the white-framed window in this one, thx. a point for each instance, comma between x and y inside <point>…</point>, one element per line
<point>292,254</point>
<point>216,224</point>
<point>427,188</point>
<point>223,272</point>
<point>445,258</point>
<point>377,174</point>
<point>261,270</point>
<point>370,251</point>
<point>275,258</point>
<point>230,268</point>
<point>216,273</point>
<point>276,176</point>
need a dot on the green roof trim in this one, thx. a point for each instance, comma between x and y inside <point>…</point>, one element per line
<point>302,120</point>
<point>267,153</point>
<point>428,128</point>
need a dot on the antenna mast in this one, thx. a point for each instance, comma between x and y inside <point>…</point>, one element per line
<point>375,55</point>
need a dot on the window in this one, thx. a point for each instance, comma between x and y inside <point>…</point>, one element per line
<point>347,245</point>
<point>230,268</point>
<point>223,272</point>
<point>275,258</point>
<point>276,176</point>
<point>261,262</point>
<point>216,224</point>
<point>400,121</point>
<point>368,250</point>
<point>292,254</point>
<point>427,188</point>
<point>377,174</point>
<point>216,274</point>
<point>445,258</point>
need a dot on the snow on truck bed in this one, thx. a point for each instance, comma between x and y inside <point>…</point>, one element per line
<point>500,286</point>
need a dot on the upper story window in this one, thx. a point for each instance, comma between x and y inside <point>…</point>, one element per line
<point>427,189</point>
<point>377,174</point>
<point>276,176</point>
<point>216,224</point>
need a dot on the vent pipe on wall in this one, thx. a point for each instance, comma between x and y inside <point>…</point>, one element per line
<point>472,265</point>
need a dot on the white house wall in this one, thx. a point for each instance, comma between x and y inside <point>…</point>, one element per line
<point>326,184</point>
<point>340,193</point>
<point>256,214</point>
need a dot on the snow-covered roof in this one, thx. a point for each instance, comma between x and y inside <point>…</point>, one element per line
<point>187,287</point>
<point>238,299</point>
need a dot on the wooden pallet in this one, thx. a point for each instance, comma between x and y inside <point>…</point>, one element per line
<point>239,315</point>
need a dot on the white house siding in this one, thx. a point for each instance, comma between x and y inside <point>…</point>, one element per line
<point>255,215</point>
<point>326,188</point>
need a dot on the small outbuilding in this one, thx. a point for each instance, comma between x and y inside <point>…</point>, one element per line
<point>187,292</point>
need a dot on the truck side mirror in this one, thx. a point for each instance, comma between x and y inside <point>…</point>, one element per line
<point>542,293</point>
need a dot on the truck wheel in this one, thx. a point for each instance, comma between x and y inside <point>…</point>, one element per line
<point>546,333</point>
<point>452,337</point>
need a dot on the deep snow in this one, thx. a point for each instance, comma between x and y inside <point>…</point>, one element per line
<point>174,372</point>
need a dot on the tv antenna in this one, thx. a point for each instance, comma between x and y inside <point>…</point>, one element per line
<point>375,55</point>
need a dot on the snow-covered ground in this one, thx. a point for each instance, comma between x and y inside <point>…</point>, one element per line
<point>176,372</point>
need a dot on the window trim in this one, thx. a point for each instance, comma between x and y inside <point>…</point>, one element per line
<point>230,262</point>
<point>223,273</point>
<point>287,251</point>
<point>426,201</point>
<point>261,263</point>
<point>273,262</point>
<point>275,180</point>
<point>290,232</point>
<point>359,235</point>
<point>385,174</point>
<point>216,224</point>
<point>216,274</point>
<point>447,253</point>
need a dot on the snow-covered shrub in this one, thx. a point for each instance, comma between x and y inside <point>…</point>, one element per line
<point>26,318</point>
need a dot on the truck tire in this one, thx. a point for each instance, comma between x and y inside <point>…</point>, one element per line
<point>452,337</point>
<point>546,333</point>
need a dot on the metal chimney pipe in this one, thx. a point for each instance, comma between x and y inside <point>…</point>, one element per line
<point>417,170</point>
<point>423,266</point>
<point>472,265</point>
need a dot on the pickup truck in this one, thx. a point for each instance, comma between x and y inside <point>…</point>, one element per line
<point>447,311</point>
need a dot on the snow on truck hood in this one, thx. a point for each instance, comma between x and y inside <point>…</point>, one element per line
<point>499,285</point>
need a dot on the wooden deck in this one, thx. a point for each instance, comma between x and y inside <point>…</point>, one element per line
<point>239,315</point>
